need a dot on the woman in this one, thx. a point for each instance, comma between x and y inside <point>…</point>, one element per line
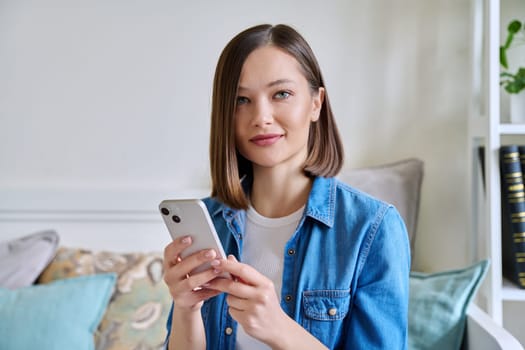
<point>316,263</point>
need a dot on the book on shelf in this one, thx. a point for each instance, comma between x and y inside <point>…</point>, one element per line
<point>481,158</point>
<point>512,164</point>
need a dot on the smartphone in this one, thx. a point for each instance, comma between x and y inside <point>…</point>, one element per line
<point>189,217</point>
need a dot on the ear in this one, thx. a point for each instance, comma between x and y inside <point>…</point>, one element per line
<point>317,104</point>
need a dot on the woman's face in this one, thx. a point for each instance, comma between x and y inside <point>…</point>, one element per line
<point>275,107</point>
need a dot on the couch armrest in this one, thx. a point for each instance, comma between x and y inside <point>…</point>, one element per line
<point>482,333</point>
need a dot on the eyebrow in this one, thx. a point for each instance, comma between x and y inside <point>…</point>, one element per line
<point>271,84</point>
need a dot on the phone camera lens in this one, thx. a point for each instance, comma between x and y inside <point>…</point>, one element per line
<point>176,218</point>
<point>165,211</point>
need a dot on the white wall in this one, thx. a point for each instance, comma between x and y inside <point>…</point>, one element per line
<point>104,105</point>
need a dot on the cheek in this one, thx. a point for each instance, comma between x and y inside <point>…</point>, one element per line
<point>239,135</point>
<point>300,118</point>
<point>238,128</point>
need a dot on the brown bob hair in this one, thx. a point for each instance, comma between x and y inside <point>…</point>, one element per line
<point>325,149</point>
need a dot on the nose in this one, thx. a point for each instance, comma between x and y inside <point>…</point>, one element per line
<point>262,113</point>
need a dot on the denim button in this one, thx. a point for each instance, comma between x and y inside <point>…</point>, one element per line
<point>288,298</point>
<point>332,311</point>
<point>228,331</point>
<point>291,251</point>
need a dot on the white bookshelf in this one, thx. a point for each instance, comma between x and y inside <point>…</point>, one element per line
<point>510,292</point>
<point>511,129</point>
<point>486,128</point>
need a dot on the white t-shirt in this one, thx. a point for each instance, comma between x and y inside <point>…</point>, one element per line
<point>263,249</point>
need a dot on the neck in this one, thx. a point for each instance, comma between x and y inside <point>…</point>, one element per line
<point>277,193</point>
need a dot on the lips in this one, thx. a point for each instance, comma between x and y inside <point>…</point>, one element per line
<point>265,139</point>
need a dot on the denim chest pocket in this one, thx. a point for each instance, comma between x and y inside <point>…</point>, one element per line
<point>324,312</point>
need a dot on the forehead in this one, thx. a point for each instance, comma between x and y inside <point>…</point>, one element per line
<point>269,63</point>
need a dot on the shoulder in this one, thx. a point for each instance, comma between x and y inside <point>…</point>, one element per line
<point>343,198</point>
<point>361,204</point>
<point>212,204</point>
<point>215,206</point>
<point>384,234</point>
<point>218,210</point>
<point>339,205</point>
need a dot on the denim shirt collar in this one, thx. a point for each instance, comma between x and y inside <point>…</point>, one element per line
<point>321,201</point>
<point>320,205</point>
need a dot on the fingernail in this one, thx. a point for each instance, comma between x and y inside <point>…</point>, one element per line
<point>216,271</point>
<point>206,285</point>
<point>209,253</point>
<point>215,262</point>
<point>186,240</point>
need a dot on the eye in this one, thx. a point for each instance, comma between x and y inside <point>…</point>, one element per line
<point>241,100</point>
<point>282,95</point>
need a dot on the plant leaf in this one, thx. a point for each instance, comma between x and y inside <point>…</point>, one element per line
<point>521,73</point>
<point>508,41</point>
<point>503,57</point>
<point>514,27</point>
<point>514,83</point>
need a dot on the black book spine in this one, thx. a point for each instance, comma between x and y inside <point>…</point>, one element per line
<point>513,214</point>
<point>481,158</point>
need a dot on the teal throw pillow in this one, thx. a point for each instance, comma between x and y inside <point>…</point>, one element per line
<point>60,315</point>
<point>438,304</point>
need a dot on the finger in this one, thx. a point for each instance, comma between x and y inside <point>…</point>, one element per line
<point>239,304</point>
<point>182,269</point>
<point>193,298</point>
<point>244,272</point>
<point>204,294</point>
<point>200,280</point>
<point>183,291</point>
<point>232,287</point>
<point>173,250</point>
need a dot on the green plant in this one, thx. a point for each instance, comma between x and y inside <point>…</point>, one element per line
<point>512,82</point>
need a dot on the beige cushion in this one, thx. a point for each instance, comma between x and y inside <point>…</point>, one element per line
<point>397,183</point>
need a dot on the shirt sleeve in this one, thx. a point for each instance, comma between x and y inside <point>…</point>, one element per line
<point>379,316</point>
<point>168,328</point>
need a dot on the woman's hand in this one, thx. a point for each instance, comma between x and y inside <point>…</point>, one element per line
<point>187,290</point>
<point>252,299</point>
<point>254,304</point>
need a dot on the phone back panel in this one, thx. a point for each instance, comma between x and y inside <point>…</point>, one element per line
<point>190,217</point>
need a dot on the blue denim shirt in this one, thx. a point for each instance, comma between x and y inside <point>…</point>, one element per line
<point>345,274</point>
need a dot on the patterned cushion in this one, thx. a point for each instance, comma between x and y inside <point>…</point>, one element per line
<point>139,307</point>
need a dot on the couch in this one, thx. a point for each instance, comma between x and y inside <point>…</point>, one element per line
<point>70,297</point>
